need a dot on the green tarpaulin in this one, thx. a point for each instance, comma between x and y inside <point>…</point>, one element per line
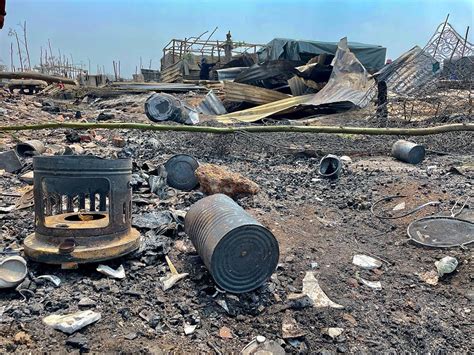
<point>371,56</point>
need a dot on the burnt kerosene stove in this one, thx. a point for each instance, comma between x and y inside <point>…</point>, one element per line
<point>82,210</point>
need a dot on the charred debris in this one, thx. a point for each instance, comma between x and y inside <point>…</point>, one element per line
<point>205,239</point>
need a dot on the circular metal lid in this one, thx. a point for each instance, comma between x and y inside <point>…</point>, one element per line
<point>441,231</point>
<point>244,259</point>
<point>180,169</point>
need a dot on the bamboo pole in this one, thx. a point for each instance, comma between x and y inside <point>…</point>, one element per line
<point>12,68</point>
<point>249,129</point>
<point>19,50</point>
<point>37,76</point>
<point>26,46</point>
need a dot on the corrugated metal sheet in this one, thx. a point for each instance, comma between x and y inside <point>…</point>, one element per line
<point>281,69</point>
<point>229,73</point>
<point>174,73</point>
<point>211,105</point>
<point>257,113</point>
<point>297,86</point>
<point>348,87</point>
<point>247,93</point>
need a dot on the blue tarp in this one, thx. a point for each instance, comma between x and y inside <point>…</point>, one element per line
<point>371,56</point>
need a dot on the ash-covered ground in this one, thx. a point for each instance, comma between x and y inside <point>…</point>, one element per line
<point>320,225</point>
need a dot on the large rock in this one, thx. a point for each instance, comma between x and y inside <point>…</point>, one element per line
<point>215,179</point>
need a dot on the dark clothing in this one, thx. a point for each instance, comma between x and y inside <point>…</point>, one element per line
<point>205,69</point>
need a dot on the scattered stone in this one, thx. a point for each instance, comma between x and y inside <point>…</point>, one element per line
<point>332,332</point>
<point>290,329</point>
<point>346,159</point>
<point>399,207</point>
<point>87,302</point>
<point>348,317</point>
<point>446,265</point>
<point>225,333</point>
<point>77,341</point>
<point>366,262</point>
<point>85,138</point>
<point>189,329</point>
<point>119,142</point>
<point>430,277</point>
<point>215,179</point>
<point>299,301</point>
<point>376,285</point>
<point>70,323</point>
<point>267,347</point>
<point>73,136</point>
<point>22,338</point>
<point>131,336</point>
<point>105,116</point>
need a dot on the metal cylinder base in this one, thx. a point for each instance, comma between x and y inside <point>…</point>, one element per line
<point>53,250</point>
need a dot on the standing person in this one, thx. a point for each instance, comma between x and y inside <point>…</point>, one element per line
<point>2,12</point>
<point>205,69</point>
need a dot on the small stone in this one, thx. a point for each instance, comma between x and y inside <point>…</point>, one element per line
<point>87,302</point>
<point>189,329</point>
<point>332,332</point>
<point>353,282</point>
<point>119,142</point>
<point>85,138</point>
<point>261,339</point>
<point>225,333</point>
<point>21,338</point>
<point>299,301</point>
<point>77,341</point>
<point>290,328</point>
<point>36,308</point>
<point>131,336</point>
<point>105,116</point>
<point>215,179</point>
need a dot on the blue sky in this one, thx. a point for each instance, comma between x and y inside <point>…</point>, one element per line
<point>107,30</point>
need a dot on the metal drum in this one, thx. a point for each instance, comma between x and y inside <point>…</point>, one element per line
<point>240,253</point>
<point>408,152</point>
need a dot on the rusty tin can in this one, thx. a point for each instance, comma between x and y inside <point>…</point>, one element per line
<point>239,252</point>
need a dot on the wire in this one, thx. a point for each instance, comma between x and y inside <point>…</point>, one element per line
<point>416,209</point>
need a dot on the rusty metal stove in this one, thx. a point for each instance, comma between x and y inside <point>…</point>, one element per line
<point>82,210</point>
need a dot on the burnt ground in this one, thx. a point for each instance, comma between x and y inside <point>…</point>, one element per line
<point>315,221</point>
